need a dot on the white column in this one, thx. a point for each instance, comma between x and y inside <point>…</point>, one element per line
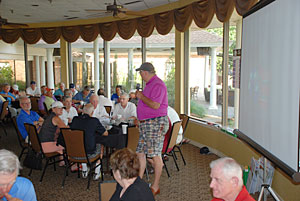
<point>37,71</point>
<point>43,72</point>
<point>50,75</point>
<point>130,68</point>
<point>237,90</point>
<point>70,63</point>
<point>206,70</point>
<point>84,70</point>
<point>96,65</point>
<point>107,68</point>
<point>213,90</point>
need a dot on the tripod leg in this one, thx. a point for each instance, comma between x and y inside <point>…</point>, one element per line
<point>273,194</point>
<point>261,193</point>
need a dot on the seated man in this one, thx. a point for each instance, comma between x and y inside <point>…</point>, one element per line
<point>33,90</point>
<point>84,95</point>
<point>69,112</point>
<point>126,110</point>
<point>13,187</point>
<point>73,89</point>
<point>115,96</point>
<point>60,92</point>
<point>103,101</point>
<point>99,111</point>
<point>93,129</point>
<point>227,181</point>
<point>48,98</point>
<point>27,116</point>
<point>9,97</point>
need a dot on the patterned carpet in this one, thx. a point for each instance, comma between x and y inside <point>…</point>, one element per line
<point>190,183</point>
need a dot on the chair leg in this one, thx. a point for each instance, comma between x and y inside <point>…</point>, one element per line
<point>66,174</point>
<point>47,162</point>
<point>173,155</point>
<point>181,154</point>
<point>165,166</point>
<point>89,179</point>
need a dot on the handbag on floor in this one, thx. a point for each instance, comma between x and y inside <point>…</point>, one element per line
<point>33,160</point>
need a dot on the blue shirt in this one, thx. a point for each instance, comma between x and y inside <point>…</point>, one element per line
<point>8,98</point>
<point>22,189</point>
<point>1,102</point>
<point>115,98</point>
<point>79,96</point>
<point>23,117</point>
<point>58,92</point>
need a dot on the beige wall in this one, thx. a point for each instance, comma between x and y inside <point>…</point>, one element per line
<point>233,147</point>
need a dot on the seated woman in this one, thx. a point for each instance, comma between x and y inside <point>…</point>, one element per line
<point>69,112</point>
<point>50,130</point>
<point>125,167</point>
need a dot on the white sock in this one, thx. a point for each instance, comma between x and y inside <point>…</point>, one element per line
<point>84,166</point>
<point>97,170</point>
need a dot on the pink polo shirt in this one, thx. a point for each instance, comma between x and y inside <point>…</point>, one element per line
<point>156,90</point>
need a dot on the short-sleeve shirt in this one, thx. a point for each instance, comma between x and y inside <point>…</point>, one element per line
<point>34,92</point>
<point>22,189</point>
<point>79,96</point>
<point>242,196</point>
<point>155,90</point>
<point>58,92</point>
<point>8,98</point>
<point>24,117</point>
<point>127,112</point>
<point>65,115</point>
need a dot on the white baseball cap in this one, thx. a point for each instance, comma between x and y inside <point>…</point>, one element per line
<point>57,104</point>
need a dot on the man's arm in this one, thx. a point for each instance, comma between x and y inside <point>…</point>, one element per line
<point>147,101</point>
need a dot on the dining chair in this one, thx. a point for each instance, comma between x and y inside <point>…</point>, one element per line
<point>108,109</point>
<point>2,115</point>
<point>76,152</point>
<point>24,145</point>
<point>106,189</point>
<point>34,104</point>
<point>169,151</point>
<point>133,135</point>
<point>36,146</point>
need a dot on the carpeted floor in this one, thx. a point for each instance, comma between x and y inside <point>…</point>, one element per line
<point>191,183</point>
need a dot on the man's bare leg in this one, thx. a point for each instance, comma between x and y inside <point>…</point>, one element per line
<point>158,165</point>
<point>142,159</point>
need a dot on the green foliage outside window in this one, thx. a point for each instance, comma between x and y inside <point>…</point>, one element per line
<point>6,74</point>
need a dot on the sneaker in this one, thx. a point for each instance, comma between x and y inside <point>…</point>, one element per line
<point>97,176</point>
<point>85,173</point>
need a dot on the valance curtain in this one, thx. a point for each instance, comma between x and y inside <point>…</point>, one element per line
<point>201,12</point>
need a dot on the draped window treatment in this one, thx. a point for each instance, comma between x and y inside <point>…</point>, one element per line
<point>201,12</point>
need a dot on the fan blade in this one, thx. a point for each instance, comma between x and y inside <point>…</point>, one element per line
<point>132,2</point>
<point>94,10</point>
<point>131,12</point>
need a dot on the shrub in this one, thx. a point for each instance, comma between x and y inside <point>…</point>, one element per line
<point>197,110</point>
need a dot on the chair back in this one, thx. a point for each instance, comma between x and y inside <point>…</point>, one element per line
<point>108,109</point>
<point>3,111</point>
<point>46,109</point>
<point>33,138</point>
<point>34,103</point>
<point>133,135</point>
<point>174,133</point>
<point>20,138</point>
<point>106,189</point>
<point>185,120</point>
<point>74,140</point>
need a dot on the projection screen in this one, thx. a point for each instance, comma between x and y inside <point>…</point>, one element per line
<point>270,79</point>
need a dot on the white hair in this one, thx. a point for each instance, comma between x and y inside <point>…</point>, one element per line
<point>9,162</point>
<point>88,109</point>
<point>229,167</point>
<point>125,94</point>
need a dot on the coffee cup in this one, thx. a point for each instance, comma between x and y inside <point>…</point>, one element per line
<point>124,128</point>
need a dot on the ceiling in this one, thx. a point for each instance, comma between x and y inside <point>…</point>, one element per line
<point>41,11</point>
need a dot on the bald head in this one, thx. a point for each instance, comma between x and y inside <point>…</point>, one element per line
<point>94,100</point>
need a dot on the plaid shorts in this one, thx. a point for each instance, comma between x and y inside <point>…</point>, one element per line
<point>152,135</point>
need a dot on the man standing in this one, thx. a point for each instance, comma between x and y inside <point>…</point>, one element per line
<point>152,114</point>
<point>13,187</point>
<point>27,116</point>
<point>227,181</point>
<point>33,90</point>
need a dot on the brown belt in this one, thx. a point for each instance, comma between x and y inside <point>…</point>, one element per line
<point>142,121</point>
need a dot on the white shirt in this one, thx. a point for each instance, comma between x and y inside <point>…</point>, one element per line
<point>101,114</point>
<point>128,111</point>
<point>66,115</point>
<point>34,92</point>
<point>173,116</point>
<point>103,101</point>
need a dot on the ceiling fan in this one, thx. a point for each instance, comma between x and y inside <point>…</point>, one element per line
<point>118,10</point>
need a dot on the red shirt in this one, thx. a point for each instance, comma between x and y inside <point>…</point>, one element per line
<point>242,196</point>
